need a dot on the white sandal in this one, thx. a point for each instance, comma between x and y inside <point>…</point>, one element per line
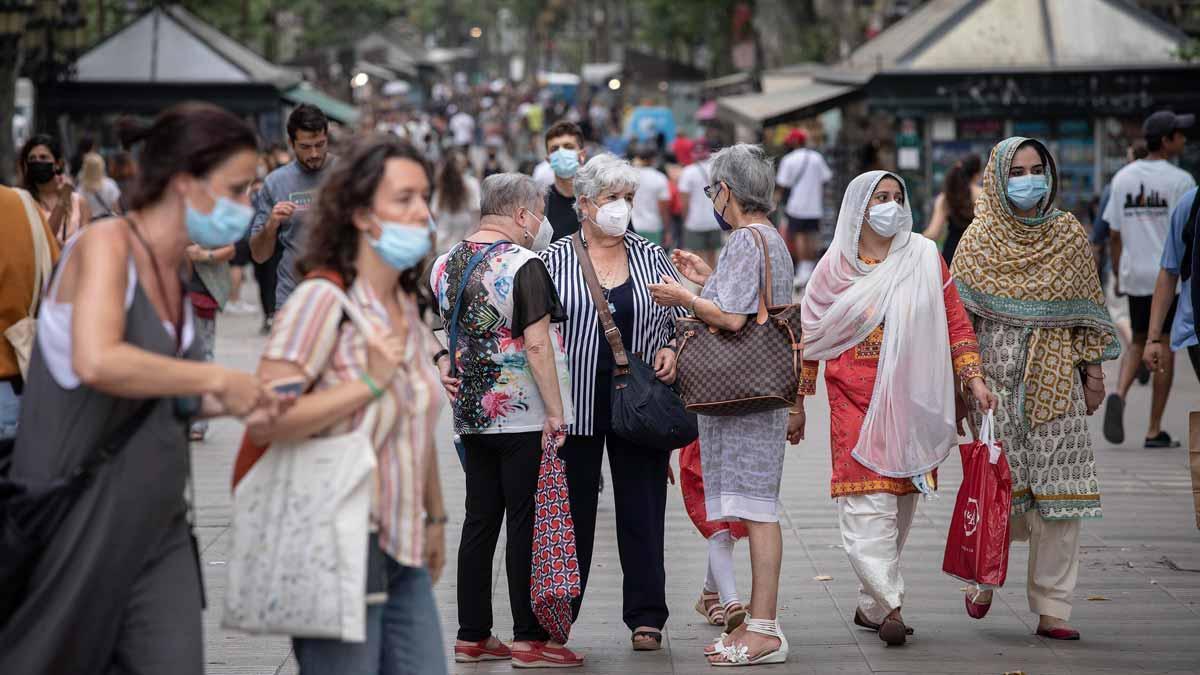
<point>738,655</point>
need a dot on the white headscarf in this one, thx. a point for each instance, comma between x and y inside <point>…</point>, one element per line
<point>909,425</point>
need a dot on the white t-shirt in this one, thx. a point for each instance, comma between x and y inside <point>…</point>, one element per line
<point>805,173</point>
<point>1143,195</point>
<point>692,181</point>
<point>652,189</point>
<point>463,127</point>
<point>543,174</point>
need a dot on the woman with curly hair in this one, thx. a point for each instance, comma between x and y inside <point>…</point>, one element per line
<point>367,247</point>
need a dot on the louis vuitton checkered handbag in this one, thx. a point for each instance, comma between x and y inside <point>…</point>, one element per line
<point>757,368</point>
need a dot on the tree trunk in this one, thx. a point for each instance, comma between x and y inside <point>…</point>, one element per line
<point>10,66</point>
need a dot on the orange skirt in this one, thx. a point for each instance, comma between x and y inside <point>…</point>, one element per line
<point>691,483</point>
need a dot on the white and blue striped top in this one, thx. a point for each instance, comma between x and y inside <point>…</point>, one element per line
<point>653,325</point>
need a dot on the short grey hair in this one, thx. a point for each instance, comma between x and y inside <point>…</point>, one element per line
<point>750,175</point>
<point>504,193</point>
<point>603,172</point>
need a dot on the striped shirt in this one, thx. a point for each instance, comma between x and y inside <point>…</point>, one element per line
<point>653,325</point>
<point>309,332</point>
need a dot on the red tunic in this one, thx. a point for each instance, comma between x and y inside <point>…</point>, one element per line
<point>850,381</point>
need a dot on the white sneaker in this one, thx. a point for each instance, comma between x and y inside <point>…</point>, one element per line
<point>240,307</point>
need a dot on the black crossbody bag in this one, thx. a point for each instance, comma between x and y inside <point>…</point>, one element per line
<point>31,514</point>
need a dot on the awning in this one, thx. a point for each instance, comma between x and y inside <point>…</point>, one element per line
<point>764,110</point>
<point>334,109</point>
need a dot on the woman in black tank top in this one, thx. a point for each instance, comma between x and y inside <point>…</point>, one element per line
<point>954,208</point>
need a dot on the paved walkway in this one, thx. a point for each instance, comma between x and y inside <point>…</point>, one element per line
<point>1137,604</point>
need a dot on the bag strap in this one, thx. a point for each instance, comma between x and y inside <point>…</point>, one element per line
<point>116,441</point>
<point>611,332</point>
<point>458,301</point>
<point>766,281</point>
<point>364,326</point>
<point>41,249</point>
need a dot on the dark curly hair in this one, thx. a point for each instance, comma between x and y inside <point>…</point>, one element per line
<point>957,188</point>
<point>332,238</point>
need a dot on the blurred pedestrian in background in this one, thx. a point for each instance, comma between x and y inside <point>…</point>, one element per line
<point>287,195</point>
<point>512,396</point>
<point>701,231</point>
<point>652,201</point>
<point>101,192</point>
<point>1043,334</point>
<point>369,234</point>
<point>1139,214</point>
<point>954,207</point>
<point>455,202</point>
<point>118,588</point>
<point>43,175</point>
<point>25,265</point>
<point>803,174</point>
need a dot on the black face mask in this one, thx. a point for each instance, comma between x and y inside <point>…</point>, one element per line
<point>40,172</point>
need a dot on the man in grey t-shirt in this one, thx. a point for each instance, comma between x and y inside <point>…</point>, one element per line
<point>288,192</point>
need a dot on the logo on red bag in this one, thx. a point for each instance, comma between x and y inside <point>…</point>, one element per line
<point>971,516</point>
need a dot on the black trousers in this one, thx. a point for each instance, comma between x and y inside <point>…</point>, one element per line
<point>639,485</point>
<point>267,276</point>
<point>502,474</point>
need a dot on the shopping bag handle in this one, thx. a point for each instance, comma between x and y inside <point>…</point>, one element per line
<point>987,436</point>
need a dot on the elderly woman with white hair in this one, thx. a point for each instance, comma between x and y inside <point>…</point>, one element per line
<point>742,456</point>
<point>625,265</point>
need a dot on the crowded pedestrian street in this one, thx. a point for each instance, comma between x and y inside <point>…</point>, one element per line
<point>419,337</point>
<point>1138,597</point>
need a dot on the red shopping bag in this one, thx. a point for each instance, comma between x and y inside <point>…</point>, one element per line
<point>554,579</point>
<point>977,544</point>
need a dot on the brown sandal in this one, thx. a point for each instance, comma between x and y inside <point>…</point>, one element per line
<point>715,613</point>
<point>652,645</point>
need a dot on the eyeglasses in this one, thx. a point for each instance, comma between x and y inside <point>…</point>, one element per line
<point>711,191</point>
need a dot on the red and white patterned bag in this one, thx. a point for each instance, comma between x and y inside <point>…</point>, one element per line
<point>554,579</point>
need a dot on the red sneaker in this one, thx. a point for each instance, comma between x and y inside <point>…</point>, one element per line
<point>541,655</point>
<point>480,651</point>
<point>1059,633</point>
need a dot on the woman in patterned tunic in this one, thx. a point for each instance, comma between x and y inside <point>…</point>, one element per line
<point>881,312</point>
<point>1026,278</point>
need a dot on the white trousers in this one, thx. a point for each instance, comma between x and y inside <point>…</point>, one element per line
<point>874,528</point>
<point>1053,561</point>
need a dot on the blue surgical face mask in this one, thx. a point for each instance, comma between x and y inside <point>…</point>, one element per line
<point>402,246</point>
<point>226,224</point>
<point>720,215</point>
<point>1025,192</point>
<point>564,162</point>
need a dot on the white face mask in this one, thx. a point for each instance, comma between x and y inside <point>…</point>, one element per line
<point>541,240</point>
<point>613,218</point>
<point>888,219</point>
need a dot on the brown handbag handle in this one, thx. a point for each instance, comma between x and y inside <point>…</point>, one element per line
<point>768,286</point>
<point>611,332</point>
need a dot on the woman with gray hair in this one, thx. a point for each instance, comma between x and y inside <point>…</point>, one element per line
<point>625,265</point>
<point>742,456</point>
<point>511,399</point>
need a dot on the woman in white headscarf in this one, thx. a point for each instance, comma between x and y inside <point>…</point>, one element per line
<point>880,311</point>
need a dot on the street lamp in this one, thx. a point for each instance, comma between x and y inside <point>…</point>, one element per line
<point>614,84</point>
<point>476,32</point>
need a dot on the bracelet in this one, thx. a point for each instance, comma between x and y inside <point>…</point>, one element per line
<point>376,392</point>
<point>437,520</point>
<point>438,356</point>
<point>692,306</point>
<point>795,412</point>
<point>1093,377</point>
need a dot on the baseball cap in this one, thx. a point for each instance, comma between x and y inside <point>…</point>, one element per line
<point>796,137</point>
<point>1165,122</point>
